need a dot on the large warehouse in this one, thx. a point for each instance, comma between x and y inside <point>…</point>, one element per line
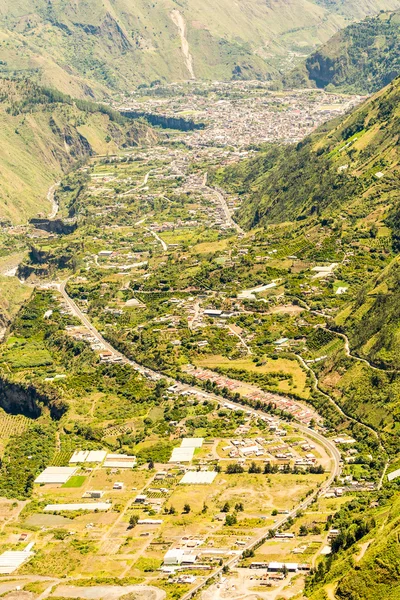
<point>56,475</point>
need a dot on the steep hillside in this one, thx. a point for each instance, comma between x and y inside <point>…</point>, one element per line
<point>338,192</point>
<point>43,135</point>
<point>366,559</point>
<point>373,322</point>
<point>86,48</point>
<point>362,58</point>
<point>353,163</point>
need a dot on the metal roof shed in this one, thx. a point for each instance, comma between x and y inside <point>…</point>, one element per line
<point>55,475</point>
<point>11,560</point>
<point>79,456</point>
<point>82,506</point>
<point>96,456</point>
<point>393,475</point>
<point>198,477</point>
<point>192,443</point>
<point>182,455</point>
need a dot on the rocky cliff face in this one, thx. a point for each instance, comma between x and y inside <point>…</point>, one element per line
<point>18,399</point>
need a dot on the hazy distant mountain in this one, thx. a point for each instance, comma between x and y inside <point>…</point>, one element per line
<point>363,57</point>
<point>89,47</point>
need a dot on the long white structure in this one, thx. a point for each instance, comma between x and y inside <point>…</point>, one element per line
<point>393,475</point>
<point>198,477</point>
<point>56,475</point>
<point>182,455</point>
<point>88,456</point>
<point>83,506</point>
<point>119,461</point>
<point>192,442</point>
<point>11,560</point>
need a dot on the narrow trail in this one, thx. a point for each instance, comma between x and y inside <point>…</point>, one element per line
<point>248,349</point>
<point>383,475</point>
<point>139,187</point>
<point>179,21</point>
<point>317,388</point>
<point>51,198</point>
<point>225,207</point>
<point>157,237</point>
<point>344,337</point>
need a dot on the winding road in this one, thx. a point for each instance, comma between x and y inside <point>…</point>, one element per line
<point>225,207</point>
<point>154,234</point>
<point>328,444</point>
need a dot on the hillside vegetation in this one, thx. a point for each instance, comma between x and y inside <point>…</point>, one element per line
<point>374,321</point>
<point>366,559</point>
<point>362,58</point>
<point>44,134</point>
<point>88,48</point>
<point>340,186</point>
<point>351,164</point>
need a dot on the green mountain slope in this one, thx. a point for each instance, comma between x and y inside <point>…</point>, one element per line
<point>373,323</point>
<point>367,563</point>
<point>89,47</point>
<point>363,58</point>
<point>338,192</point>
<point>351,162</point>
<point>42,136</point>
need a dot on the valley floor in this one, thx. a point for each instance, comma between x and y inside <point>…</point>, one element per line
<point>158,322</point>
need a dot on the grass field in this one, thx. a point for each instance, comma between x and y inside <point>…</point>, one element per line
<point>291,367</point>
<point>208,247</point>
<point>75,482</point>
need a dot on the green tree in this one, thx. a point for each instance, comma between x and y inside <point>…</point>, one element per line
<point>133,521</point>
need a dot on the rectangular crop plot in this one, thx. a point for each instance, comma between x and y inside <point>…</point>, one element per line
<point>75,482</point>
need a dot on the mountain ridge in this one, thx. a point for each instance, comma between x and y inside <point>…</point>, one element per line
<point>45,134</point>
<point>92,48</point>
<point>361,58</point>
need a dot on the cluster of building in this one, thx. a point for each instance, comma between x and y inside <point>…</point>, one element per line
<point>241,115</point>
<point>301,412</point>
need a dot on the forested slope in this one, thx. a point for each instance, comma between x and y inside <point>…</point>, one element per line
<point>362,58</point>
<point>352,160</point>
<point>44,134</point>
<point>373,323</point>
<point>366,560</point>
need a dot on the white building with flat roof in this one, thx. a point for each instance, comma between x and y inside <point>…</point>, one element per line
<point>92,506</point>
<point>56,475</point>
<point>11,560</point>
<point>198,477</point>
<point>192,442</point>
<point>179,556</point>
<point>181,455</point>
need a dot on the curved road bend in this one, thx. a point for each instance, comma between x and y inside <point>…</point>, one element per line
<point>331,400</point>
<point>328,444</point>
<point>157,237</point>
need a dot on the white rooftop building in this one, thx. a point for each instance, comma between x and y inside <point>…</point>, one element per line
<point>192,443</point>
<point>198,477</point>
<point>393,475</point>
<point>88,456</point>
<point>120,461</point>
<point>11,560</point>
<point>96,456</point>
<point>182,455</point>
<point>79,456</point>
<point>179,556</point>
<point>56,475</point>
<point>83,506</point>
